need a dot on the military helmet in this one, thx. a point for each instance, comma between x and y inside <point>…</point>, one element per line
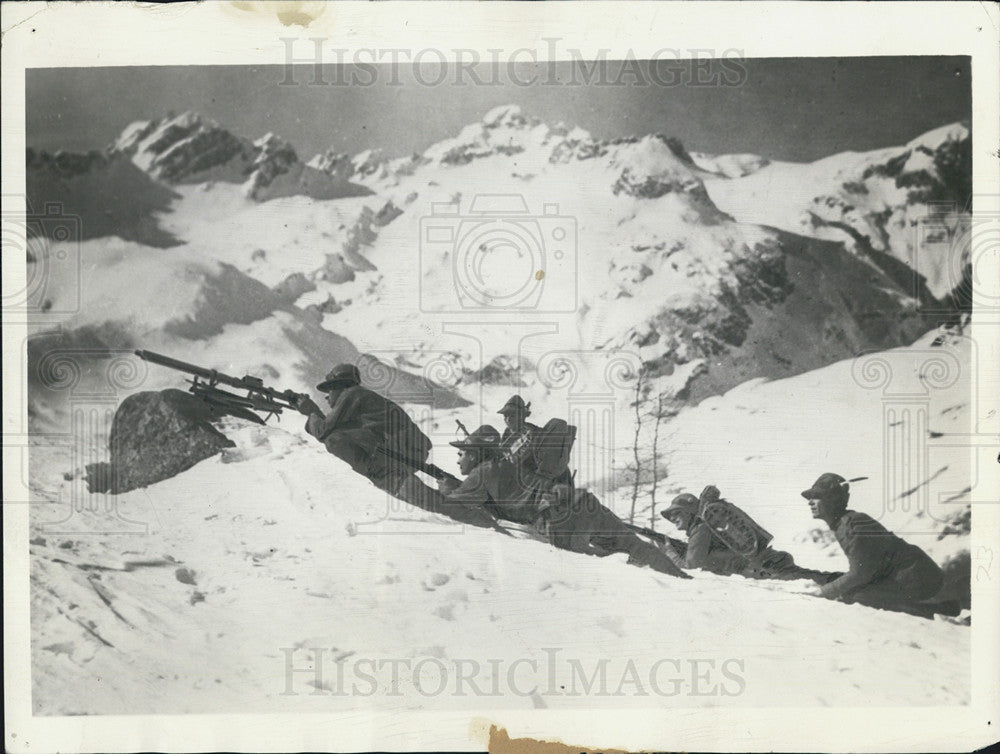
<point>484,437</point>
<point>683,503</point>
<point>829,486</point>
<point>516,405</point>
<point>342,375</point>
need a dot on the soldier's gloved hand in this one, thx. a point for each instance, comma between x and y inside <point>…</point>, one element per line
<point>447,486</point>
<point>307,407</point>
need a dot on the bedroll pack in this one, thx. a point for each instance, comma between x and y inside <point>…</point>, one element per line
<point>552,447</point>
<point>732,525</point>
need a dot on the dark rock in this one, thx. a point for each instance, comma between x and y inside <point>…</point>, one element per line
<point>387,214</point>
<point>293,286</point>
<point>502,370</point>
<point>155,436</point>
<point>957,579</point>
<point>337,164</point>
<point>675,146</point>
<point>330,306</point>
<point>337,270</point>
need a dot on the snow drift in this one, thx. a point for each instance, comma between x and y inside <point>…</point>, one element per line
<point>197,591</point>
<point>244,565</point>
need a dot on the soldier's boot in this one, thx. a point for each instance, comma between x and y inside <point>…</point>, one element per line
<point>889,596</point>
<point>779,565</point>
<point>411,490</point>
<point>643,553</point>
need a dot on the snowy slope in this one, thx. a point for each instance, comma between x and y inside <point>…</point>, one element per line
<point>275,547</point>
<point>99,195</point>
<point>873,201</point>
<point>195,308</point>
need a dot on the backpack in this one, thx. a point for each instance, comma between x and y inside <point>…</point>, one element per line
<point>403,436</point>
<point>551,447</point>
<point>732,525</point>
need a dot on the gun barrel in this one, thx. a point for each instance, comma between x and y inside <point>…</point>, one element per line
<point>166,361</point>
<point>254,385</point>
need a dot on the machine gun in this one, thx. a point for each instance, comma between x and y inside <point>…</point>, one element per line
<point>259,397</point>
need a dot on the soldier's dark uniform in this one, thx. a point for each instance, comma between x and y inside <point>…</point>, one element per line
<point>582,526</point>
<point>885,571</point>
<point>707,552</point>
<point>496,485</point>
<point>585,525</point>
<point>519,448</point>
<point>360,423</point>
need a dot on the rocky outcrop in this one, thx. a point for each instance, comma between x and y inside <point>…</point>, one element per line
<point>331,162</point>
<point>179,148</point>
<point>190,148</point>
<point>656,166</point>
<point>274,156</point>
<point>785,306</point>
<point>902,208</point>
<point>369,164</point>
<point>730,165</point>
<point>155,436</point>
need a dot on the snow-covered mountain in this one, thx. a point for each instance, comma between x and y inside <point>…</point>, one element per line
<point>655,265</point>
<point>648,263</point>
<point>730,165</point>
<point>235,255</point>
<point>877,203</point>
<point>189,148</point>
<point>102,194</point>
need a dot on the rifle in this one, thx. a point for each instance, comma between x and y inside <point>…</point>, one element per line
<point>428,468</point>
<point>259,396</point>
<point>679,547</point>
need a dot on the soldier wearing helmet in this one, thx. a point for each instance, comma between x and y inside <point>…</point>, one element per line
<point>492,480</point>
<point>885,571</point>
<point>516,440</point>
<point>708,551</point>
<point>360,424</point>
<point>703,550</point>
<point>481,446</point>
